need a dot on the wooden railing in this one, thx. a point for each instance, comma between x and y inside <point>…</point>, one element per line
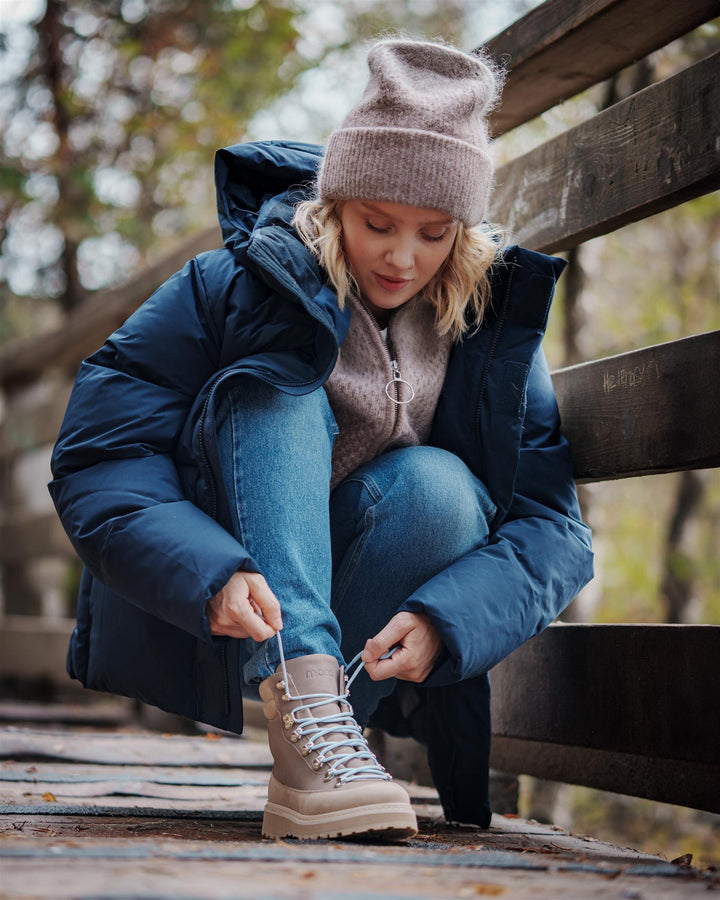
<point>629,708</point>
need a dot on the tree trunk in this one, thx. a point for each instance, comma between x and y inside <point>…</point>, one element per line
<point>50,32</point>
<point>678,579</point>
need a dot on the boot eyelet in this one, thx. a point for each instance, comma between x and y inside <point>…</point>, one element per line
<point>317,765</point>
<point>288,721</point>
<point>305,750</point>
<point>295,737</point>
<point>286,698</point>
<point>280,686</point>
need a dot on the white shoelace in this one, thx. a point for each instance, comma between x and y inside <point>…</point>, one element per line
<point>338,753</point>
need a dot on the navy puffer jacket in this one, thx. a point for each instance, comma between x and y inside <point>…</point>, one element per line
<point>136,478</point>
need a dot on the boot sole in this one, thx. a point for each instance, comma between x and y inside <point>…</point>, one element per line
<point>391,821</point>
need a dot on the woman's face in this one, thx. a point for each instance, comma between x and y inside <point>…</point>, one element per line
<point>394,250</point>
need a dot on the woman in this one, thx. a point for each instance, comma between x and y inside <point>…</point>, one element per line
<point>334,437</point>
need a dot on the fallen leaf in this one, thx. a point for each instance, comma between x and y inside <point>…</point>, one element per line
<point>685,860</point>
<point>51,798</point>
<point>482,890</point>
<point>211,736</point>
<point>31,769</point>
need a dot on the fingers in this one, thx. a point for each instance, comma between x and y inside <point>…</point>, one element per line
<point>391,634</point>
<point>394,667</point>
<point>420,647</point>
<point>267,602</point>
<point>245,607</point>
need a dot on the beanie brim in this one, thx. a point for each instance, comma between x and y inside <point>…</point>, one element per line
<point>413,167</point>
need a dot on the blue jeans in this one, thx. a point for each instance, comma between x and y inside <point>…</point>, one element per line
<point>340,564</point>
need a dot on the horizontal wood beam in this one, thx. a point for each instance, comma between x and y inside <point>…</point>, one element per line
<point>32,424</point>
<point>25,537</point>
<point>559,48</point>
<point>34,647</point>
<point>648,153</point>
<point>645,412</point>
<point>628,708</point>
<point>99,315</point>
<point>666,780</point>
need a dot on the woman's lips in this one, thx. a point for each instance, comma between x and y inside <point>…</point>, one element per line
<point>390,283</point>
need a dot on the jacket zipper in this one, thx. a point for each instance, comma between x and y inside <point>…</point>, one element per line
<point>396,377</point>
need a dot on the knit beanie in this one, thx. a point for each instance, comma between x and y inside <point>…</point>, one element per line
<point>419,134</point>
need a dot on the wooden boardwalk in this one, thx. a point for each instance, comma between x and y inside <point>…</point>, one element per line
<point>91,807</point>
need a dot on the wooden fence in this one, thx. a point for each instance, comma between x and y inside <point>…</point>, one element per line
<point>629,708</point>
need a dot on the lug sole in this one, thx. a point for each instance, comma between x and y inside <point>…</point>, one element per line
<point>391,821</point>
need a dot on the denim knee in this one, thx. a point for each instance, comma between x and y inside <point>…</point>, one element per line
<point>432,496</point>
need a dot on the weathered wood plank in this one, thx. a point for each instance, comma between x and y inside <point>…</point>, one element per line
<point>559,49</point>
<point>613,687</point>
<point>410,854</point>
<point>649,411</point>
<point>110,712</point>
<point>87,327</point>
<point>648,153</point>
<point>64,773</point>
<point>134,749</point>
<point>24,537</point>
<point>505,834</point>
<point>679,782</point>
<point>245,876</point>
<point>195,831</point>
<point>136,794</point>
<point>630,708</point>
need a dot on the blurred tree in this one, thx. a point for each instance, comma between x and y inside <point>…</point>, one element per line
<point>112,125</point>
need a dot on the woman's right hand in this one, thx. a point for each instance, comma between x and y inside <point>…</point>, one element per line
<point>245,607</point>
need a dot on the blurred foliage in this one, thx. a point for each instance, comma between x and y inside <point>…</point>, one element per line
<point>111,125</point>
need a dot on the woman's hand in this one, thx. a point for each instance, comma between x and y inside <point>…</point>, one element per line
<point>420,646</point>
<point>245,607</point>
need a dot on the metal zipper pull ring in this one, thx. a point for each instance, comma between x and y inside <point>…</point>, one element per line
<point>397,380</point>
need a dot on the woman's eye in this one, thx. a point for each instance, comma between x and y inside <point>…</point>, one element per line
<point>434,237</point>
<point>374,226</point>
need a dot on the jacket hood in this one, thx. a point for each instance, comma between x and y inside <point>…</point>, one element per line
<point>248,175</point>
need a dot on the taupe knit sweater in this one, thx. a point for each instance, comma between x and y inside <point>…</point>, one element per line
<point>369,422</point>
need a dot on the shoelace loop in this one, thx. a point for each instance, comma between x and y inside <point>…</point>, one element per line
<point>338,753</point>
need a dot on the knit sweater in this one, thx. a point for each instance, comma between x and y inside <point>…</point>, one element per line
<point>369,421</point>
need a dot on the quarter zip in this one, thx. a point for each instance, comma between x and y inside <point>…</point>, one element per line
<point>395,370</point>
<point>396,377</point>
<point>396,381</point>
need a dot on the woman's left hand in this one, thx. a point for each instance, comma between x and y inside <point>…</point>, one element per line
<point>420,646</point>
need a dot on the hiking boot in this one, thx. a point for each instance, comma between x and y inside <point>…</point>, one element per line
<point>325,782</point>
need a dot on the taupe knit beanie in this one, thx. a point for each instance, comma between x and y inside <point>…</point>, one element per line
<point>419,134</point>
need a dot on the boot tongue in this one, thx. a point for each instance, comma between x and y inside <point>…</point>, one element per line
<point>317,674</point>
<point>320,674</point>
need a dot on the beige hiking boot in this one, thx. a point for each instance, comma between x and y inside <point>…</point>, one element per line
<point>325,782</point>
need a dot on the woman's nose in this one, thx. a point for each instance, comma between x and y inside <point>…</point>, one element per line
<point>401,255</point>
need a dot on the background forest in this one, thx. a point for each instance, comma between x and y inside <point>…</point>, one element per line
<point>110,113</point>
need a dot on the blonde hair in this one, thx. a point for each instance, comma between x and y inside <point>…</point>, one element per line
<point>460,289</point>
